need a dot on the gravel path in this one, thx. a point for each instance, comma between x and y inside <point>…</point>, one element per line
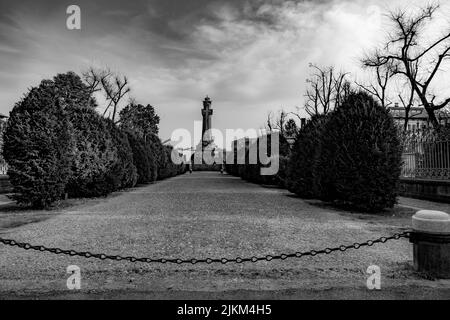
<point>206,214</point>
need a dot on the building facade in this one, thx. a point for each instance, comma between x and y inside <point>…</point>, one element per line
<point>417,118</point>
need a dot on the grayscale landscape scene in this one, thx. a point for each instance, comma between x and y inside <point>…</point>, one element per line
<point>225,150</point>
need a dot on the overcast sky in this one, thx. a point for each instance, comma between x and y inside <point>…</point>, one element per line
<point>249,56</point>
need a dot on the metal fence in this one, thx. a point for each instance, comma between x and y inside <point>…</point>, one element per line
<point>426,156</point>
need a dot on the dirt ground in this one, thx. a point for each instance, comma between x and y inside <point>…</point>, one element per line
<point>209,215</point>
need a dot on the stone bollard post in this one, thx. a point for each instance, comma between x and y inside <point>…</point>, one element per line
<point>431,239</point>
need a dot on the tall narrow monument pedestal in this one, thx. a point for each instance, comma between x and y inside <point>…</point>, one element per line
<point>207,113</point>
<point>204,157</point>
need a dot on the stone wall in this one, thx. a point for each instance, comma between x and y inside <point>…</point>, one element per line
<point>5,185</point>
<point>435,190</point>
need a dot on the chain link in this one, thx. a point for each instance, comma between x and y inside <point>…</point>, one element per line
<point>254,259</point>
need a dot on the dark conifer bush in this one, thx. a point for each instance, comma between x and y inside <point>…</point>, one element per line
<point>169,168</point>
<point>123,173</point>
<point>73,91</point>
<point>94,154</point>
<point>301,167</point>
<point>281,177</point>
<point>360,156</point>
<point>153,158</point>
<point>158,153</point>
<point>36,147</point>
<point>252,171</point>
<point>143,158</point>
<point>93,151</point>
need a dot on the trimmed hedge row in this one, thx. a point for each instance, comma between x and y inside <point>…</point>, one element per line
<point>56,144</point>
<point>351,156</point>
<point>251,171</point>
<point>305,152</point>
<point>144,159</point>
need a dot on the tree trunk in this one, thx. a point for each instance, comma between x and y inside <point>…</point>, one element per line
<point>432,117</point>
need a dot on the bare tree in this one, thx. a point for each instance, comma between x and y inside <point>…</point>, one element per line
<point>412,58</point>
<point>407,99</point>
<point>407,104</point>
<point>281,121</point>
<point>325,90</point>
<point>278,121</point>
<point>132,100</point>
<point>94,77</point>
<point>385,77</point>
<point>379,87</point>
<point>115,87</point>
<point>298,115</point>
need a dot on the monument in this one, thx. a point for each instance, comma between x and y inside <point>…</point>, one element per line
<point>207,113</point>
<point>205,155</point>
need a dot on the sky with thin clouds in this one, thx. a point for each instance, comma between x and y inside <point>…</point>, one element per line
<point>249,56</point>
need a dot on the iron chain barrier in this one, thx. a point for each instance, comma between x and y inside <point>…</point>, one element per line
<point>101,256</point>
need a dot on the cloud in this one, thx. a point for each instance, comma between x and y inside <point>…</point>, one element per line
<point>250,56</point>
<point>263,54</point>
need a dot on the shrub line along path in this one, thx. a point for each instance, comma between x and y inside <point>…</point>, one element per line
<point>209,215</point>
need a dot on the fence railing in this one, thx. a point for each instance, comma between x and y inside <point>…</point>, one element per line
<point>426,156</point>
<point>3,168</point>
